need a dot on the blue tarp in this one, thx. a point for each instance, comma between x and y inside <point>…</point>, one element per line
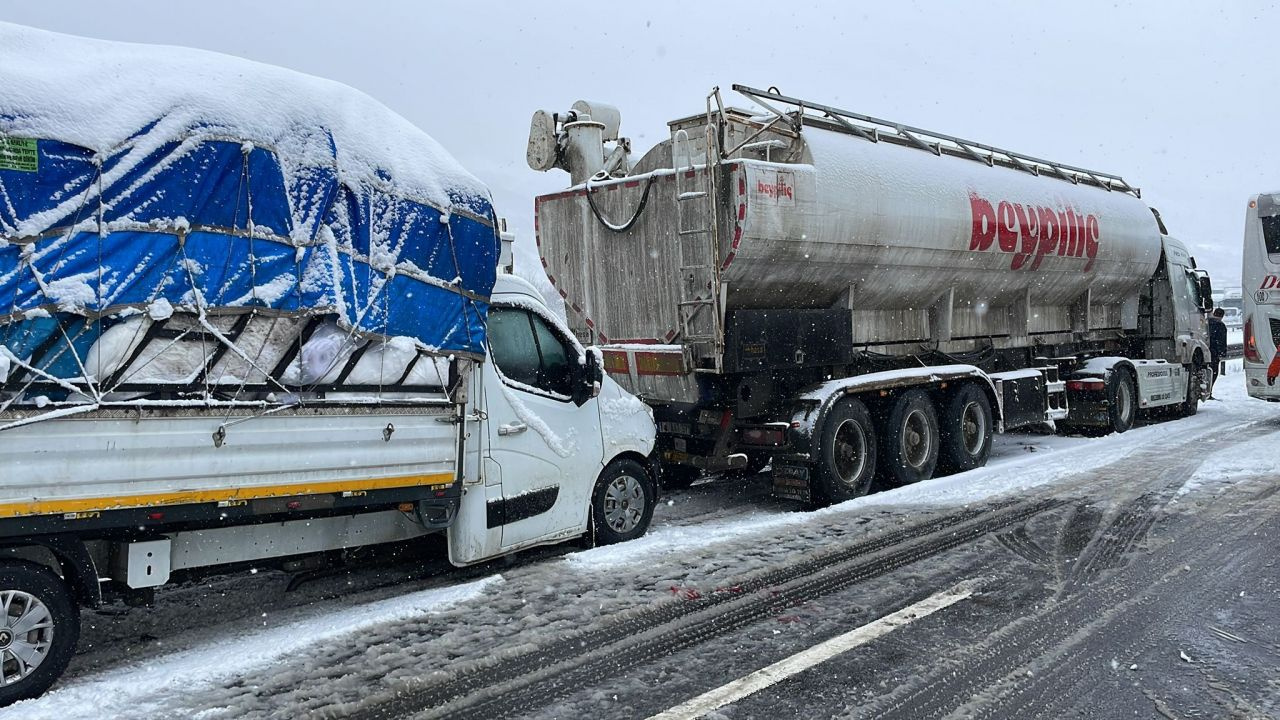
<point>211,222</point>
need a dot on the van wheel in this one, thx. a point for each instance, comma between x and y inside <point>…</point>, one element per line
<point>1122,396</point>
<point>622,503</point>
<point>39,628</point>
<point>846,454</point>
<point>965,430</point>
<point>909,446</point>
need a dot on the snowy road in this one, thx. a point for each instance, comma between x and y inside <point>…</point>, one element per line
<point>1132,574</point>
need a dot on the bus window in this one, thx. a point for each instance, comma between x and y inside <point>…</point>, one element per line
<point>1271,234</point>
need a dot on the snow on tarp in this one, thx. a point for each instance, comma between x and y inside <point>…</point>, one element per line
<point>146,179</point>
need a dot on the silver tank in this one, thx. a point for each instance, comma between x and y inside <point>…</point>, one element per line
<point>901,226</point>
<point>920,246</point>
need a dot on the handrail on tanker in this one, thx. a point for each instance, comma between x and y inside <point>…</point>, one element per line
<point>917,137</point>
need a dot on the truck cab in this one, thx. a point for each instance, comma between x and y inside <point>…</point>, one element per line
<point>1179,313</point>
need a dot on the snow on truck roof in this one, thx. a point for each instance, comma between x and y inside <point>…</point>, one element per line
<point>100,94</point>
<point>157,180</point>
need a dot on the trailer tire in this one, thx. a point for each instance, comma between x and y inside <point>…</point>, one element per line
<point>42,601</point>
<point>622,502</point>
<point>1122,396</point>
<point>846,463</point>
<point>909,444</point>
<point>965,431</point>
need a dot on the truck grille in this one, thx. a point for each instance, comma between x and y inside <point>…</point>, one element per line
<point>1275,331</point>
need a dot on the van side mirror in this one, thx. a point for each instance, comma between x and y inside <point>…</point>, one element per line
<point>587,378</point>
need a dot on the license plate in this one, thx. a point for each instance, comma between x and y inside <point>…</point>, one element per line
<point>791,472</point>
<point>675,428</point>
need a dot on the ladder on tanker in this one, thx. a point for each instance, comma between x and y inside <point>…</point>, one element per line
<point>699,304</point>
<point>873,129</point>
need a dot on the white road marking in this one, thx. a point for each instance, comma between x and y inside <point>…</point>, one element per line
<point>801,661</point>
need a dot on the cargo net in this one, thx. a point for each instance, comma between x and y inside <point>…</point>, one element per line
<point>204,271</point>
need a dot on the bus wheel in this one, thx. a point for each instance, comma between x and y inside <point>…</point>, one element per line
<point>966,430</point>
<point>909,445</point>
<point>39,628</point>
<point>846,454</point>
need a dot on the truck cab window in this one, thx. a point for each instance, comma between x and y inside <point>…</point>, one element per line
<point>529,352</point>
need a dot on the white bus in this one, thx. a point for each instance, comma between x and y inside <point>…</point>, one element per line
<point>1260,280</point>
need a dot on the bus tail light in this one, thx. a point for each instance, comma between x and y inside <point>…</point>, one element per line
<point>1250,344</point>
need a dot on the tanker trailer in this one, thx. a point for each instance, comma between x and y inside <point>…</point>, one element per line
<point>851,298</point>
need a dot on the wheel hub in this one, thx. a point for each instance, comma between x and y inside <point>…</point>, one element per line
<point>915,441</point>
<point>624,504</point>
<point>26,634</point>
<point>973,428</point>
<point>849,452</point>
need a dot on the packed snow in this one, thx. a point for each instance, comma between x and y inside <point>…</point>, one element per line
<point>140,690</point>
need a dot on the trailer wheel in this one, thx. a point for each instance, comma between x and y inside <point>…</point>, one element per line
<point>846,453</point>
<point>1122,395</point>
<point>622,503</point>
<point>965,431</point>
<point>39,628</point>
<point>909,446</point>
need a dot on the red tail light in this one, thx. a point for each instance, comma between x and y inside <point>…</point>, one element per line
<point>775,437</point>
<point>1250,344</point>
<point>1089,384</point>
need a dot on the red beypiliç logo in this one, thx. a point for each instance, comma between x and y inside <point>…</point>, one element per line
<point>1031,232</point>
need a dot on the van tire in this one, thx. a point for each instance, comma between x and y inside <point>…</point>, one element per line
<point>622,502</point>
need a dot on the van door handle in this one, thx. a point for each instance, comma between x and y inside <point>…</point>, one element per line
<point>514,428</point>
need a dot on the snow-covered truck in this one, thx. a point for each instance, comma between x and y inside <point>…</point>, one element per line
<point>248,316</point>
<point>841,295</point>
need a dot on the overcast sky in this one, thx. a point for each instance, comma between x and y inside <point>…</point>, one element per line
<point>1173,96</point>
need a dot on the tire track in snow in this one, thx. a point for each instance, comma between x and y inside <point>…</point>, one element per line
<point>510,690</point>
<point>1000,665</point>
<point>1141,609</point>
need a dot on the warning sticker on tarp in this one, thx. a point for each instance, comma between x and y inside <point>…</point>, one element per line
<point>19,154</point>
